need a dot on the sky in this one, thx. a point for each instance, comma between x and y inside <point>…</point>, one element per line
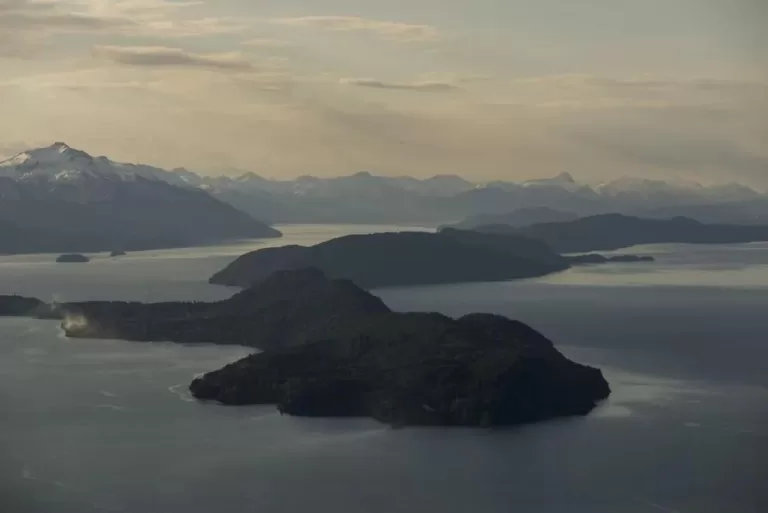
<point>487,89</point>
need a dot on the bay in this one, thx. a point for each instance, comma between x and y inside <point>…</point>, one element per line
<point>108,425</point>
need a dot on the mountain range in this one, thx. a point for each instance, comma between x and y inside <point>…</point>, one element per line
<point>60,199</point>
<point>517,218</point>
<point>367,198</point>
<point>66,174</point>
<point>615,231</point>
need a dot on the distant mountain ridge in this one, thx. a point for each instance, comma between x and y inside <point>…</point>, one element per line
<point>366,198</point>
<point>60,199</point>
<point>616,231</point>
<point>442,199</point>
<point>517,218</point>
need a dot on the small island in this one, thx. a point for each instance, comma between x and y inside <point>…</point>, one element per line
<point>117,253</point>
<point>73,258</point>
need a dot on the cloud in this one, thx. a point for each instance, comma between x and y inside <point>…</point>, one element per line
<point>145,83</point>
<point>22,15</point>
<point>58,22</point>
<point>160,18</point>
<point>637,82</point>
<point>135,8</point>
<point>685,143</point>
<point>267,43</point>
<point>187,28</point>
<point>165,101</point>
<point>25,25</point>
<point>394,31</point>
<point>591,92</point>
<point>426,86</point>
<point>160,56</point>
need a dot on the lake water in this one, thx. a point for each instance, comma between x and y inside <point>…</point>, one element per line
<point>89,426</point>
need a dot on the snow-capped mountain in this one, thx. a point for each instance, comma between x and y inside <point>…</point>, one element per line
<point>62,163</point>
<point>60,199</point>
<point>57,162</point>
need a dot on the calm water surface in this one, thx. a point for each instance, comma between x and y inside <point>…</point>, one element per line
<point>93,426</point>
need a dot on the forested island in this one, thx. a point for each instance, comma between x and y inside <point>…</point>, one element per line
<point>407,258</point>
<point>332,349</point>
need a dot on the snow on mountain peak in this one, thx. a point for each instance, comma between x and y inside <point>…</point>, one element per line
<point>57,148</point>
<point>57,162</point>
<point>60,162</point>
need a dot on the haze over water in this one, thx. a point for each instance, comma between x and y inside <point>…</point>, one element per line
<point>108,425</point>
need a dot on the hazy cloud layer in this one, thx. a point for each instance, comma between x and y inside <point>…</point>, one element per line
<point>501,90</point>
<point>164,56</point>
<point>402,32</point>
<point>402,86</point>
<point>267,43</point>
<point>25,24</point>
<point>29,23</point>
